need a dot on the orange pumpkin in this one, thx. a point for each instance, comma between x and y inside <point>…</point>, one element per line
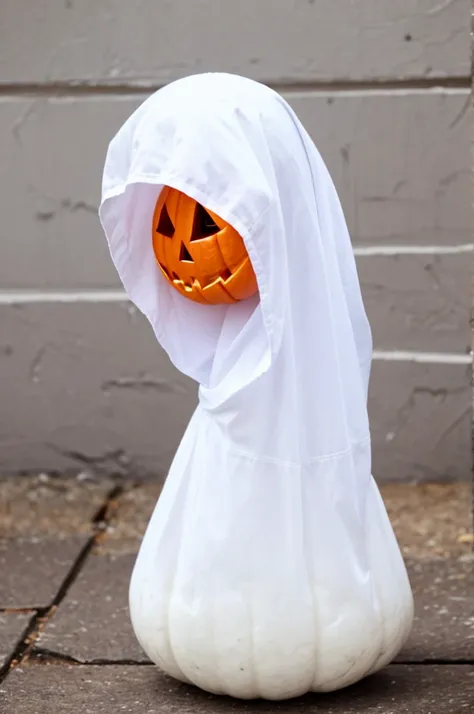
<point>200,254</point>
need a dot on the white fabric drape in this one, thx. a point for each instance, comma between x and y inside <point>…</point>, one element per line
<point>269,567</point>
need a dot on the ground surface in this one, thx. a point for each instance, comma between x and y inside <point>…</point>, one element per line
<point>67,547</point>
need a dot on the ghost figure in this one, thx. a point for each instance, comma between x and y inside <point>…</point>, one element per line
<point>201,255</point>
<point>269,567</point>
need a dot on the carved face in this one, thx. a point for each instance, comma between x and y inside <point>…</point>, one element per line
<point>200,254</point>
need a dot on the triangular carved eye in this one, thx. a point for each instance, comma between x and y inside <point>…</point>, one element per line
<point>184,255</point>
<point>165,225</point>
<point>204,225</point>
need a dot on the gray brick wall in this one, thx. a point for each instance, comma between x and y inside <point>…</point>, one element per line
<point>384,89</point>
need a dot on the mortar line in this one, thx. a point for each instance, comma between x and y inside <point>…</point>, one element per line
<point>422,357</point>
<point>21,297</point>
<point>17,299</point>
<point>32,297</point>
<point>80,87</point>
<point>368,251</point>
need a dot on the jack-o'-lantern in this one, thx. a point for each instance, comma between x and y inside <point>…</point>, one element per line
<point>199,253</point>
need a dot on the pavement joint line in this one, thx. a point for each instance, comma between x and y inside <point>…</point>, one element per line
<point>40,619</point>
<point>14,660</point>
<point>41,655</point>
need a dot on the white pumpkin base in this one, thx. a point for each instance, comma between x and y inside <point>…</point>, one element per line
<point>292,607</point>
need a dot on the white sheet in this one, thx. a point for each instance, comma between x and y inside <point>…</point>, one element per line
<point>269,567</point>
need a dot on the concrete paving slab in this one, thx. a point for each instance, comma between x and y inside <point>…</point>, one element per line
<point>12,627</point>
<point>73,689</point>
<point>444,612</point>
<point>45,521</point>
<point>92,624</point>
<point>34,569</point>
